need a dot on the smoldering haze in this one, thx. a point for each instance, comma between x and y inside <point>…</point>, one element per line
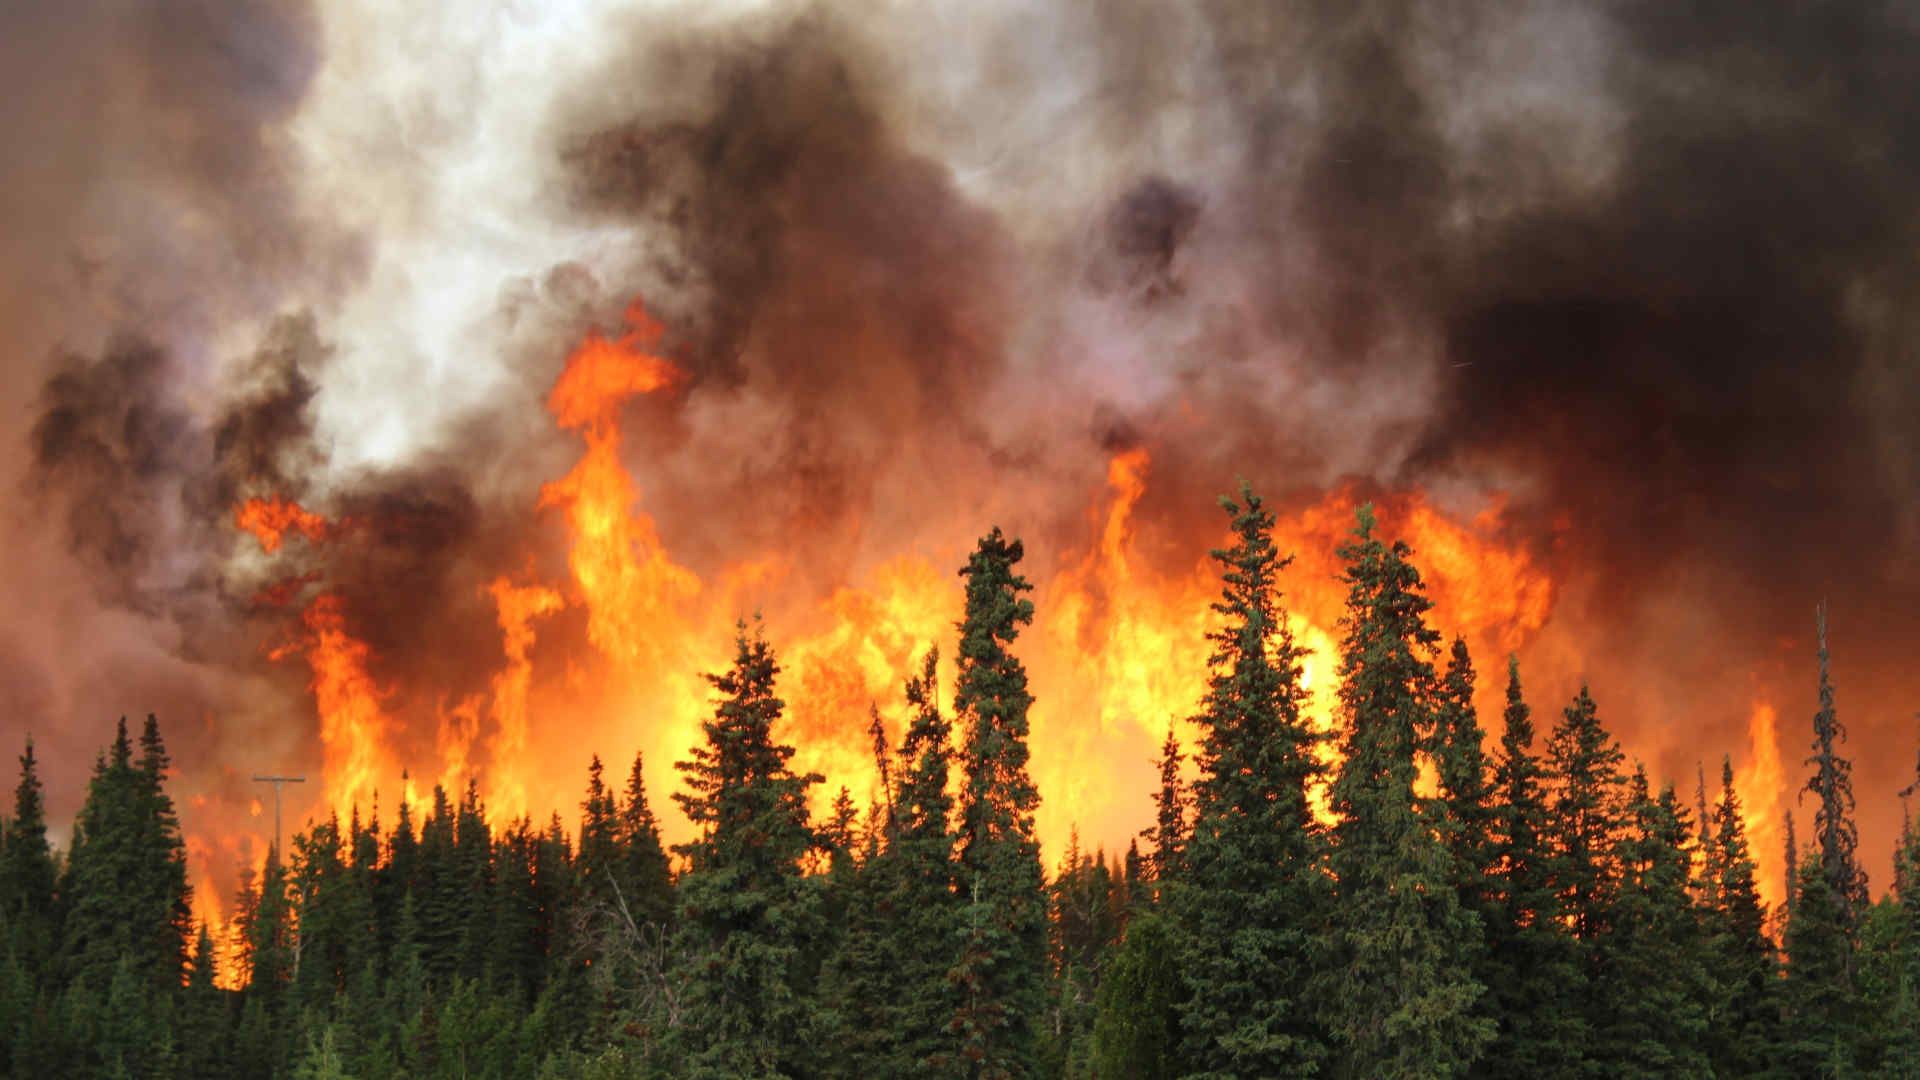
<point>1643,273</point>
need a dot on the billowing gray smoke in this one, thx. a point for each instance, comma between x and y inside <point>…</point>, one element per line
<point>1646,271</point>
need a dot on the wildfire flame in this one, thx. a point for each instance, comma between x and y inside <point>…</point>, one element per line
<point>1759,783</point>
<point>269,520</point>
<point>353,723</point>
<point>518,606</point>
<point>1118,651</point>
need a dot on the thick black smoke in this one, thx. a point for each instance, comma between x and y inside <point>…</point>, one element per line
<point>1645,270</point>
<point>147,205</point>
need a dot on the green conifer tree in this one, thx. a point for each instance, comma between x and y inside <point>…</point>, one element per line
<point>28,874</point>
<point>1583,766</point>
<point>1535,982</point>
<point>1251,899</point>
<point>1835,836</point>
<point>1167,836</point>
<point>126,876</point>
<point>1651,979</point>
<point>1136,1029</point>
<point>201,1023</point>
<point>1742,956</point>
<point>1000,975</point>
<point>1407,945</point>
<point>748,913</point>
<point>1821,1034</point>
<point>918,869</point>
<point>645,877</point>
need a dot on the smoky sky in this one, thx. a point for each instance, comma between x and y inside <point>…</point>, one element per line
<point>1645,270</point>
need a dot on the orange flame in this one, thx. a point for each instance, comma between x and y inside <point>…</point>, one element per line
<point>353,722</point>
<point>1117,652</point>
<point>633,589</point>
<point>518,606</point>
<point>204,854</point>
<point>1760,783</point>
<point>269,520</point>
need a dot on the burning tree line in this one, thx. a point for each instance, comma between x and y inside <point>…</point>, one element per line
<point>1396,900</point>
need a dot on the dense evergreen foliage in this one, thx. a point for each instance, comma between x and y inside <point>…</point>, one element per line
<point>1434,905</point>
<point>1252,902</point>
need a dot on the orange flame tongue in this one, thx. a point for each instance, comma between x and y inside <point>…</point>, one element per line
<point>1759,783</point>
<point>518,606</point>
<point>601,374</point>
<point>354,727</point>
<point>1118,651</point>
<point>632,587</point>
<point>269,520</point>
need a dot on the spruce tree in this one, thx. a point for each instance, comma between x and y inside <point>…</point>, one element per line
<point>1823,1022</point>
<point>439,892</point>
<point>918,873</point>
<point>1001,972</point>
<point>599,833</point>
<point>1743,957</point>
<point>1583,766</point>
<point>1835,836</point>
<point>1083,928</point>
<point>201,1021</point>
<point>645,878</point>
<point>1408,1005</point>
<point>1459,752</point>
<point>518,952</point>
<point>1251,898</point>
<point>1821,1033</point>
<point>1899,1012</point>
<point>1651,979</point>
<point>748,913</point>
<point>268,952</point>
<point>1535,984</point>
<point>1167,836</point>
<point>1466,809</point>
<point>166,900</point>
<point>862,983</point>
<point>126,875</point>
<point>27,873</point>
<point>330,921</point>
<point>1136,1028</point>
<point>1789,872</point>
<point>473,872</point>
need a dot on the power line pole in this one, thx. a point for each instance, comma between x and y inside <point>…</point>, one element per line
<point>278,782</point>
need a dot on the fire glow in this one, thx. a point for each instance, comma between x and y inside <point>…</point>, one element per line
<point>1118,651</point>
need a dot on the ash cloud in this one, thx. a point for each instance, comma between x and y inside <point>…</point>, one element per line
<point>149,224</point>
<point>1647,271</point>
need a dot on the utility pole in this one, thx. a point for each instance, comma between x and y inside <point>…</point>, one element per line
<point>278,782</point>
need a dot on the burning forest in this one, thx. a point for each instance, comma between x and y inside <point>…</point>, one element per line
<point>722,508</point>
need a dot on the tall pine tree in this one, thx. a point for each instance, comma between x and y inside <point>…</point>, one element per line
<point>747,911</point>
<point>1743,957</point>
<point>918,881</point>
<point>127,872</point>
<point>1251,898</point>
<point>1001,973</point>
<point>1408,1003</point>
<point>1651,977</point>
<point>1167,836</point>
<point>27,871</point>
<point>1835,836</point>
<point>1536,985</point>
<point>1823,1022</point>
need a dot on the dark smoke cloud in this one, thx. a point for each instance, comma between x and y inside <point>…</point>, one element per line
<point>837,302</point>
<point>1644,269</point>
<point>1648,270</point>
<point>148,210</point>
